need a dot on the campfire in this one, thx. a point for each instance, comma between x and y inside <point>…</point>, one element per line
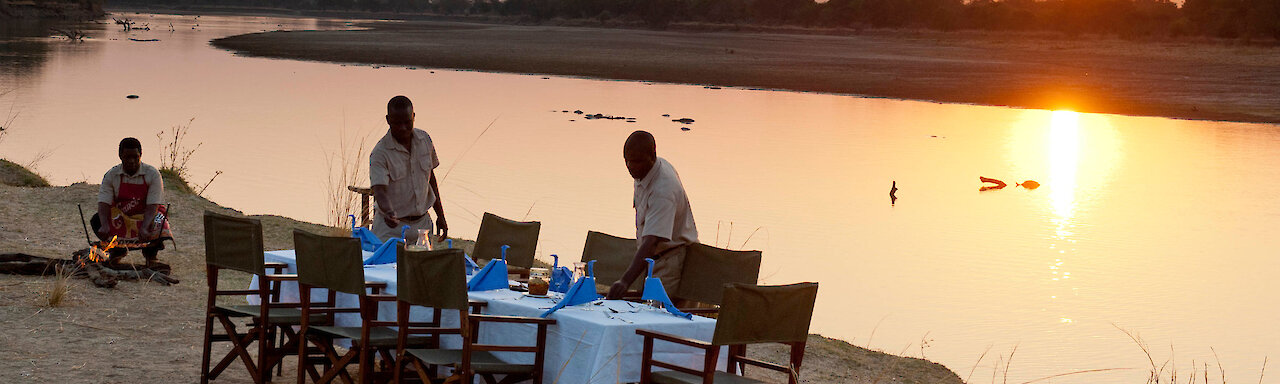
<point>93,263</point>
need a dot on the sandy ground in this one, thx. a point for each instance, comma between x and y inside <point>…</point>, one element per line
<point>141,332</point>
<point>1216,81</point>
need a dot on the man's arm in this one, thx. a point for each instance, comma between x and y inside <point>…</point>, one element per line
<point>144,228</point>
<point>104,221</point>
<point>439,207</point>
<point>379,177</point>
<point>155,197</point>
<point>384,205</point>
<point>648,246</point>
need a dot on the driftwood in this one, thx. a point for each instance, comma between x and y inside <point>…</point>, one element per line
<point>79,266</point>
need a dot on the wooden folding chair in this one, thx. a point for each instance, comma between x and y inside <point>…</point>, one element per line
<point>495,232</point>
<point>613,255</point>
<point>707,269</point>
<point>436,279</point>
<point>750,314</point>
<point>235,243</point>
<point>336,265</point>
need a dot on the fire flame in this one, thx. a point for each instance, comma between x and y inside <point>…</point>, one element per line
<point>98,253</point>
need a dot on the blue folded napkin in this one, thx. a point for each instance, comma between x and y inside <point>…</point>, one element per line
<point>472,267</point>
<point>493,276</point>
<point>583,291</point>
<point>653,290</point>
<point>368,241</point>
<point>561,277</point>
<point>386,253</point>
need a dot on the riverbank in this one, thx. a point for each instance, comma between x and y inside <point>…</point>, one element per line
<point>154,332</point>
<point>1211,81</point>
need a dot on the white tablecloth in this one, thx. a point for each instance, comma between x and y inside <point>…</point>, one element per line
<point>590,343</point>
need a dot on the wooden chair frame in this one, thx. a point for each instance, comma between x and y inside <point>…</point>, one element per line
<point>469,326</point>
<point>335,366</point>
<point>737,358</point>
<point>261,329</point>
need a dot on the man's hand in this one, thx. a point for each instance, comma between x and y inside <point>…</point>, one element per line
<point>390,219</point>
<point>144,232</point>
<point>104,231</point>
<point>617,290</point>
<point>442,227</point>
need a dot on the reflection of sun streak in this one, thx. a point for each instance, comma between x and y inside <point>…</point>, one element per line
<point>1064,162</point>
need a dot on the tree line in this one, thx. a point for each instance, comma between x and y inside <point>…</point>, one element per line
<point>1125,18</point>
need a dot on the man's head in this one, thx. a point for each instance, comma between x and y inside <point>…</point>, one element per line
<point>400,118</point>
<point>130,155</point>
<point>640,153</point>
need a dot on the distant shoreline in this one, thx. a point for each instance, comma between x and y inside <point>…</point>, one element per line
<point>1164,79</point>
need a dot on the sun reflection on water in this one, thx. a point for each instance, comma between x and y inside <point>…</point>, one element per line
<point>1064,164</point>
<point>1073,156</point>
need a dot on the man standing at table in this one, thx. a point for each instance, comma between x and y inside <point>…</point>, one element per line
<point>664,220</point>
<point>402,174</point>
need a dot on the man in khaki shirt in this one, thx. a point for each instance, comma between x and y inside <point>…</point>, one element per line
<point>402,174</point>
<point>664,219</point>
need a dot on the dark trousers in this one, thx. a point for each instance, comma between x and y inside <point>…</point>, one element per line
<point>149,253</point>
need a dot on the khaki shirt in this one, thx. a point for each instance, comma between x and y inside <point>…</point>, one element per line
<point>146,175</point>
<point>662,208</point>
<point>406,175</point>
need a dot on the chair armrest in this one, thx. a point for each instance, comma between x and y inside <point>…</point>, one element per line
<point>700,310</point>
<point>476,306</point>
<point>278,266</point>
<point>281,277</point>
<point>376,286</point>
<point>381,297</point>
<point>675,339</point>
<point>511,319</point>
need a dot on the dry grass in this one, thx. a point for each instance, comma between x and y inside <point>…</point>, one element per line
<point>58,291</point>
<point>175,155</point>
<point>346,168</point>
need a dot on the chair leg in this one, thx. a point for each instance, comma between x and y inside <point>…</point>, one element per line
<point>339,365</point>
<point>302,357</point>
<point>208,349</point>
<point>239,348</point>
<point>264,351</point>
<point>365,364</point>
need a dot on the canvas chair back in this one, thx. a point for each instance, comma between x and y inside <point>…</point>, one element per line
<point>233,242</point>
<point>707,269</point>
<point>433,279</point>
<point>329,262</point>
<point>495,232</point>
<point>765,314</point>
<point>613,256</point>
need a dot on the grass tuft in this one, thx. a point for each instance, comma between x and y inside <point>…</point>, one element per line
<point>16,175</point>
<point>347,168</point>
<point>58,290</point>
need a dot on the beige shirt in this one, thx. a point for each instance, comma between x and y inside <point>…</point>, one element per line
<point>146,175</point>
<point>662,208</point>
<point>406,174</point>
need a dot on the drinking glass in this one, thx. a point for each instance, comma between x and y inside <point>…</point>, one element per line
<point>579,271</point>
<point>424,239</point>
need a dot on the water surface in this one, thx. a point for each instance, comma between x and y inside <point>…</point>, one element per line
<point>1163,227</point>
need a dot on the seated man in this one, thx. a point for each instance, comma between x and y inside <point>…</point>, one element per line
<point>131,197</point>
<point>664,218</point>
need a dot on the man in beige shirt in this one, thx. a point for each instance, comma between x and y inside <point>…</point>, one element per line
<point>402,174</point>
<point>664,219</point>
